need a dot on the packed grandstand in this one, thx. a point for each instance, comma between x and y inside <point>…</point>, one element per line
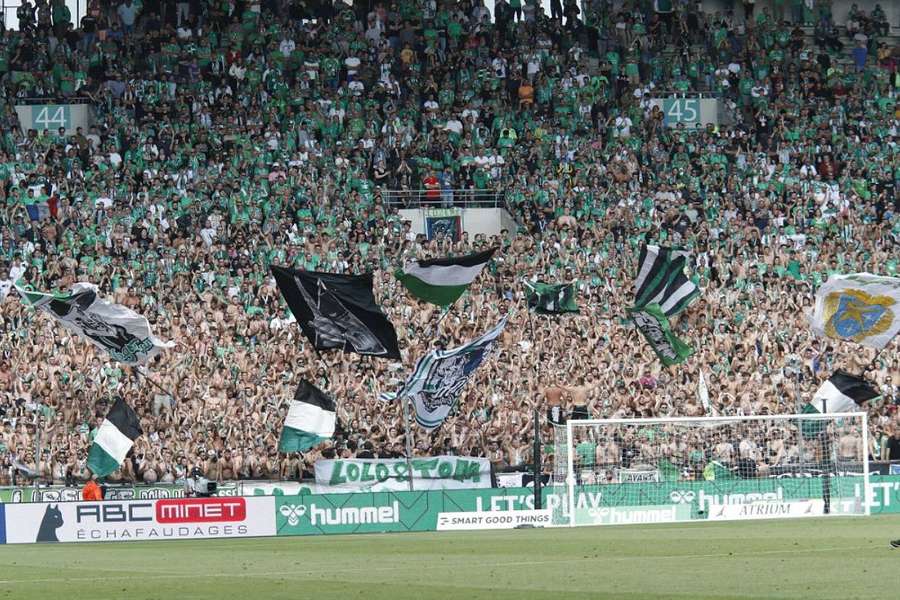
<point>228,137</point>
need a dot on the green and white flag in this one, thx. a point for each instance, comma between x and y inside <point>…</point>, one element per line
<point>310,419</point>
<point>551,298</point>
<point>114,439</point>
<point>121,332</point>
<point>654,326</point>
<point>442,281</point>
<point>661,280</point>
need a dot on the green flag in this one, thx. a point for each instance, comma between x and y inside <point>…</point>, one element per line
<point>668,471</point>
<point>716,471</point>
<point>811,428</point>
<point>654,326</point>
<point>552,298</point>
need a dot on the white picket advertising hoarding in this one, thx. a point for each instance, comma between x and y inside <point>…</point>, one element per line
<point>116,521</point>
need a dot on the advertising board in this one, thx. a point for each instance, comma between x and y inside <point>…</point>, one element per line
<point>502,519</point>
<point>624,515</point>
<point>112,521</point>
<point>767,510</point>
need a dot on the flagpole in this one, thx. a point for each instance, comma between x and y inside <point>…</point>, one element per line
<point>154,383</point>
<point>443,316</point>
<point>871,364</point>
<point>37,445</point>
<point>408,431</point>
<point>324,365</point>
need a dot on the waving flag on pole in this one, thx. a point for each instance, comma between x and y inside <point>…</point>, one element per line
<point>114,439</point>
<point>661,280</point>
<point>703,396</point>
<point>860,307</point>
<point>551,298</point>
<point>117,329</point>
<point>654,326</point>
<point>310,419</point>
<point>440,376</point>
<point>338,312</point>
<point>442,281</point>
<point>842,393</point>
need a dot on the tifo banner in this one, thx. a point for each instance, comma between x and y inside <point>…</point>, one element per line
<point>275,488</point>
<point>449,226</point>
<point>115,521</point>
<point>377,475</point>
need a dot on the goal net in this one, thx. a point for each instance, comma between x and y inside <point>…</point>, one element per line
<point>617,471</point>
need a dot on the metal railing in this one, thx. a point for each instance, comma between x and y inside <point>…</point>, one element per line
<point>54,100</point>
<point>451,198</point>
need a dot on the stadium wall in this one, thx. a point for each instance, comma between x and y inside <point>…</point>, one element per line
<point>487,221</point>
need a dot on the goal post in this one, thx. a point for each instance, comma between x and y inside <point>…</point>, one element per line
<point>680,469</point>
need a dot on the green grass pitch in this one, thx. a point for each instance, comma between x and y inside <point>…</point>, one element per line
<point>839,558</point>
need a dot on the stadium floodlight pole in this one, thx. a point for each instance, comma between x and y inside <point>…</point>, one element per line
<point>408,431</point>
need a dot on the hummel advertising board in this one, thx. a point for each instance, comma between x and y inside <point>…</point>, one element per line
<point>168,519</point>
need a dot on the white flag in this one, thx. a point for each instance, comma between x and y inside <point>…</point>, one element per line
<point>860,307</point>
<point>703,395</point>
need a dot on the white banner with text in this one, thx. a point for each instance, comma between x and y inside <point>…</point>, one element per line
<point>383,474</point>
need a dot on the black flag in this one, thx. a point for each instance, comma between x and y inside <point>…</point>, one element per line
<point>338,311</point>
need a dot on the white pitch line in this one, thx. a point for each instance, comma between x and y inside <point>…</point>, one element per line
<point>295,574</point>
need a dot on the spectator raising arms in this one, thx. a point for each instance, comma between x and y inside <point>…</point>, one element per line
<point>227,137</point>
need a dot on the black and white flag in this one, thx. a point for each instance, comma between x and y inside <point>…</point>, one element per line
<point>661,280</point>
<point>338,312</point>
<point>843,392</point>
<point>117,329</point>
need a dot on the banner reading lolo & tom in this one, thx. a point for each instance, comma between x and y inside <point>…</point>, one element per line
<point>377,475</point>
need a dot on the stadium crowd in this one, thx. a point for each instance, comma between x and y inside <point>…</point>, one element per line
<point>229,136</point>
